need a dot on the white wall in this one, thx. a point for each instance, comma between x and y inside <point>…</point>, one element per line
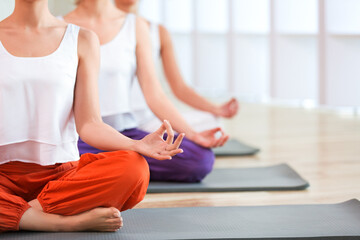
<point>57,7</point>
<point>343,52</point>
<point>291,51</point>
<point>6,8</point>
<point>303,52</point>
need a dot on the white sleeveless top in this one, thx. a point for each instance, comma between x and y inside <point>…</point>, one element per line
<point>36,105</point>
<point>140,109</point>
<point>117,70</point>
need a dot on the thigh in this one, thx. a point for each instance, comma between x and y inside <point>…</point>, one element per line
<point>106,179</point>
<point>190,166</point>
<point>27,180</point>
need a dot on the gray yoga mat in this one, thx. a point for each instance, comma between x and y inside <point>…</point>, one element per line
<point>273,178</point>
<point>327,221</point>
<point>235,148</point>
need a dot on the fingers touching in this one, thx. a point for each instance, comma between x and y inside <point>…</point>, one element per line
<point>231,108</point>
<point>220,141</point>
<point>178,141</point>
<point>172,147</point>
<point>217,141</point>
<point>170,132</point>
<point>161,130</point>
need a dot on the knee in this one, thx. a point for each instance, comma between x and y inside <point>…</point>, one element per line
<point>134,168</point>
<point>201,165</point>
<point>133,180</point>
<point>137,167</point>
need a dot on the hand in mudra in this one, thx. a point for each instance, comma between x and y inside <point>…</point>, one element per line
<point>209,139</point>
<point>153,145</point>
<point>228,109</point>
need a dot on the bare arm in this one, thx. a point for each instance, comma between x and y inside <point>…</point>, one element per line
<point>155,96</point>
<point>90,126</point>
<point>151,87</point>
<point>181,89</point>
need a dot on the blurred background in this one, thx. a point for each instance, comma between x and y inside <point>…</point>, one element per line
<point>303,53</point>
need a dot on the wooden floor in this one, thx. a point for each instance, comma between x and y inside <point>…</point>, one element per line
<point>323,147</point>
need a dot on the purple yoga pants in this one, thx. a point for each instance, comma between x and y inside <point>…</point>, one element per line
<point>190,166</point>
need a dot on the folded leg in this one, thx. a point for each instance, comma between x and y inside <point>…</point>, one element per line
<point>112,179</point>
<point>12,208</point>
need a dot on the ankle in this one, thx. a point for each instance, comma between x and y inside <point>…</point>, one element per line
<point>66,224</point>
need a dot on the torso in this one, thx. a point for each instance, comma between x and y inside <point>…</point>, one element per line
<point>106,30</point>
<point>140,109</point>
<point>117,36</point>
<point>36,95</point>
<point>31,43</point>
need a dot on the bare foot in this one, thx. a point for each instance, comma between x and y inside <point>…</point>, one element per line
<point>97,219</point>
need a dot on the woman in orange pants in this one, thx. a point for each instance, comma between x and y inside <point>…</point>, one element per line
<point>48,96</point>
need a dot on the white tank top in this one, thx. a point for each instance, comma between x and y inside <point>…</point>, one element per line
<point>117,71</point>
<point>36,105</point>
<point>140,109</point>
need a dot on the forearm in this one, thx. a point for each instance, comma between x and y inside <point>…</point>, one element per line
<point>151,87</point>
<point>103,137</point>
<point>193,99</point>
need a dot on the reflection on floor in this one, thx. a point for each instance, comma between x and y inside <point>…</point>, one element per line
<point>322,146</point>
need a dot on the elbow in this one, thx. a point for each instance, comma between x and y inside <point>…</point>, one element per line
<point>155,100</point>
<point>84,128</point>
<point>81,132</point>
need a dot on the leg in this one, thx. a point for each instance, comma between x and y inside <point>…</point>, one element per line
<point>113,179</point>
<point>12,208</point>
<point>191,166</point>
<point>16,213</point>
<point>98,219</point>
<point>84,194</point>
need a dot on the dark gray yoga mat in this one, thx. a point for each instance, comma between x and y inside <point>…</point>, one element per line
<point>235,148</point>
<point>273,178</point>
<point>327,221</point>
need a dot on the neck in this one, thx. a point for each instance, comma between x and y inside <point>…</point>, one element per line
<point>96,8</point>
<point>130,8</point>
<point>32,14</point>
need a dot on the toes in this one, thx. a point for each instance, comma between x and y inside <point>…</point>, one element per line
<point>114,228</point>
<point>115,213</point>
<point>113,221</point>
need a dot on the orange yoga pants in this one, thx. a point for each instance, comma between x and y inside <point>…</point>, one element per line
<point>112,179</point>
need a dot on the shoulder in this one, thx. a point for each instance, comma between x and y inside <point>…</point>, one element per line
<point>165,37</point>
<point>4,28</point>
<point>142,22</point>
<point>87,36</point>
<point>163,31</point>
<point>142,29</point>
<point>5,24</point>
<point>162,28</point>
<point>87,41</point>
<point>142,19</point>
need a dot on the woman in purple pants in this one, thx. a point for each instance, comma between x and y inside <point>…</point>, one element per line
<point>125,53</point>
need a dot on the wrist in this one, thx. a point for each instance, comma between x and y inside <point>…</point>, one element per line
<point>191,134</point>
<point>134,145</point>
<point>216,110</point>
